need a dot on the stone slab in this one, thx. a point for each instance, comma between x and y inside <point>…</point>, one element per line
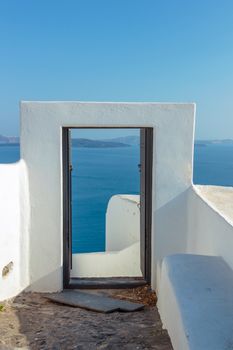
<point>94,302</point>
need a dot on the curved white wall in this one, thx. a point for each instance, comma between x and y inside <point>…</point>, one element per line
<point>122,221</point>
<point>124,263</point>
<point>122,255</point>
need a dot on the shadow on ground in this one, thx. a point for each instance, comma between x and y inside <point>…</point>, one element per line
<point>33,322</point>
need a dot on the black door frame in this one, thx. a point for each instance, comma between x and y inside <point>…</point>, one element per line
<point>146,215</point>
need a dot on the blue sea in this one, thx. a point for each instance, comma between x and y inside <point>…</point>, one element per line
<point>99,173</point>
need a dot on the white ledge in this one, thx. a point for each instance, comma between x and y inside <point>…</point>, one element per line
<point>220,198</point>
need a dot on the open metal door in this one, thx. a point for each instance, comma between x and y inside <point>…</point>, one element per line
<point>142,199</point>
<point>145,166</point>
<point>67,205</point>
<point>146,152</point>
<point>70,195</point>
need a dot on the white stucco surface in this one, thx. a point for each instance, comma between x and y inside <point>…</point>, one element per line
<point>41,149</point>
<point>14,211</point>
<point>122,255</point>
<point>210,230</point>
<point>185,218</point>
<point>196,302</point>
<point>123,263</point>
<point>122,222</point>
<point>219,198</point>
<point>207,219</point>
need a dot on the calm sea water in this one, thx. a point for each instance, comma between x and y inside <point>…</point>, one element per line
<point>99,173</point>
<point>213,165</point>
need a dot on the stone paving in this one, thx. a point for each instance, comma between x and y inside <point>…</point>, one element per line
<point>33,322</point>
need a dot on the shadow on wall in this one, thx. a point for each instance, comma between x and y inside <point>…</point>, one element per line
<point>50,281</point>
<point>188,224</point>
<point>170,227</point>
<point>209,232</point>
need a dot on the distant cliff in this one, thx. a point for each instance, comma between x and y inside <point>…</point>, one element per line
<point>14,141</point>
<point>203,143</point>
<point>124,141</point>
<point>132,140</point>
<point>9,140</point>
<point>97,143</point>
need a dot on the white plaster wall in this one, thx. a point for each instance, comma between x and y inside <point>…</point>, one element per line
<point>13,228</point>
<point>200,222</point>
<point>170,311</point>
<point>122,222</point>
<point>41,124</point>
<point>210,222</point>
<point>122,255</point>
<point>171,230</point>
<point>124,263</point>
<point>196,303</point>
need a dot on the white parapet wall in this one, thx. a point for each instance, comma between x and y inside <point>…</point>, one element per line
<point>205,213</point>
<point>122,221</point>
<point>122,255</point>
<point>124,263</point>
<point>209,218</point>
<point>210,221</point>
<point>14,219</point>
<point>196,300</point>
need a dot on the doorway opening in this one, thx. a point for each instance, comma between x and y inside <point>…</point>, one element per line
<point>107,187</point>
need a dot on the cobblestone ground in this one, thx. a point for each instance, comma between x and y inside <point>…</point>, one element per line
<point>33,322</point>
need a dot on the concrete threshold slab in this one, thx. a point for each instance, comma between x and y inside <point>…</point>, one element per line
<point>94,302</point>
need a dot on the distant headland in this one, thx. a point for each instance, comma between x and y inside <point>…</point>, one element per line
<point>205,143</point>
<point>76,142</point>
<point>9,140</point>
<point>87,143</point>
<point>124,141</point>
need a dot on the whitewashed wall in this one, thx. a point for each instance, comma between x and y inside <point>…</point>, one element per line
<point>14,215</point>
<point>210,222</point>
<point>184,219</point>
<point>122,222</point>
<point>122,255</point>
<point>209,232</point>
<point>122,263</point>
<point>41,126</point>
<point>198,221</point>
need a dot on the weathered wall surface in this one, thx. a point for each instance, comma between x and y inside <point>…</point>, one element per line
<point>41,149</point>
<point>14,214</point>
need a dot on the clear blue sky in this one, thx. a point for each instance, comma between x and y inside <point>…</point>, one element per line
<point>119,50</point>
